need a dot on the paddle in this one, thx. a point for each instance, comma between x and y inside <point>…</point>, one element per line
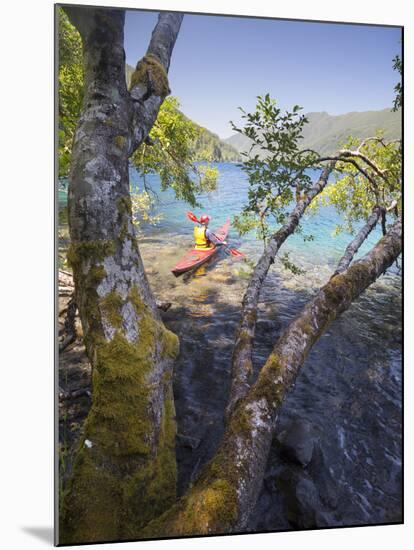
<point>232,251</point>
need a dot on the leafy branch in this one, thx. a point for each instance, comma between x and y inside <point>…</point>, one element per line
<point>275,165</point>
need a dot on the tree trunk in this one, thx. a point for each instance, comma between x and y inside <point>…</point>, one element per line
<point>225,494</point>
<point>356,243</point>
<point>125,471</point>
<point>242,353</point>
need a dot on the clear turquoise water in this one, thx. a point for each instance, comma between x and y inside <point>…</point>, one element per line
<point>229,199</point>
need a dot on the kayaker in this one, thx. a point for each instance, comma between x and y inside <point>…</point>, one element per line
<point>203,237</point>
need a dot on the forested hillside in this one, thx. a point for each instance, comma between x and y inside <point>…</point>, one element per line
<point>208,146</point>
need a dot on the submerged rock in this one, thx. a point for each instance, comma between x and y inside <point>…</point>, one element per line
<point>188,441</point>
<point>297,442</point>
<point>300,496</point>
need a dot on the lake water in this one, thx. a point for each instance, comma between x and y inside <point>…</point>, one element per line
<point>229,199</point>
<point>348,392</point>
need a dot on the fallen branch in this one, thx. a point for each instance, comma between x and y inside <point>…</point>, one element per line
<point>66,342</point>
<point>63,310</point>
<point>65,279</point>
<point>65,292</point>
<point>67,396</point>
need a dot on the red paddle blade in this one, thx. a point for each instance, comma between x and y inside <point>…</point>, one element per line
<point>192,217</point>
<point>235,252</point>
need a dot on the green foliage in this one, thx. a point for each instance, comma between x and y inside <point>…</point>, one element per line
<point>70,88</point>
<point>274,164</point>
<point>174,153</point>
<point>245,222</point>
<point>290,266</point>
<point>398,101</point>
<point>169,153</point>
<point>353,194</point>
<point>308,238</point>
<point>376,179</point>
<point>143,209</point>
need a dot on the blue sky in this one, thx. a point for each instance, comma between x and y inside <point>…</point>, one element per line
<point>220,63</point>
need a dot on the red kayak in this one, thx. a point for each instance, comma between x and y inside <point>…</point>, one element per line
<point>195,258</point>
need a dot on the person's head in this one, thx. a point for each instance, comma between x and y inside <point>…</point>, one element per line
<point>205,219</point>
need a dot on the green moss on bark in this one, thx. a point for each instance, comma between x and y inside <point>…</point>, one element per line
<point>91,252</point>
<point>266,386</point>
<point>111,306</point>
<point>120,142</point>
<point>157,480</point>
<point>124,205</point>
<point>125,472</point>
<point>150,73</point>
<point>207,509</point>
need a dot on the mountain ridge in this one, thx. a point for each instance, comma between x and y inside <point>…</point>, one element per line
<point>325,133</point>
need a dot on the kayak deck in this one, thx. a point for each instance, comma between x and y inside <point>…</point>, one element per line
<point>194,258</point>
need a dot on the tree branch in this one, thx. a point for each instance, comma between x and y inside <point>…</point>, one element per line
<point>149,82</point>
<point>347,153</point>
<point>242,362</point>
<point>384,221</point>
<point>69,325</point>
<point>355,244</point>
<point>352,161</point>
<point>378,140</point>
<point>164,36</point>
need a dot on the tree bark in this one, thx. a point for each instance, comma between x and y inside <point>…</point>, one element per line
<point>360,237</point>
<point>242,353</point>
<point>125,470</point>
<point>225,494</point>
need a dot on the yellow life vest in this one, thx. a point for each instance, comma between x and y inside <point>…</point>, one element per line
<point>201,241</point>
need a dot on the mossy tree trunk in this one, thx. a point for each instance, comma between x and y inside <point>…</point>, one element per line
<point>226,491</point>
<point>124,472</point>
